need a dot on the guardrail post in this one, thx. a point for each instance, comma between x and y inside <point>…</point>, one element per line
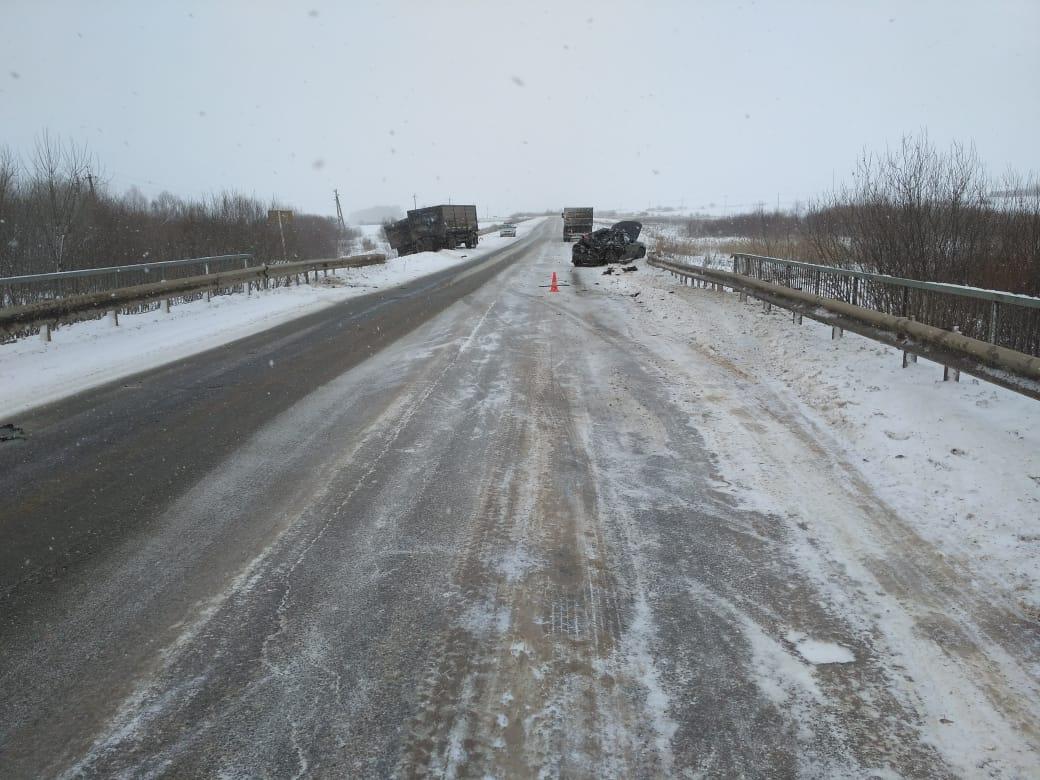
<point>796,318</point>
<point>767,307</point>
<point>45,332</point>
<point>994,313</point>
<point>836,332</point>
<point>743,297</point>
<point>952,373</point>
<point>166,306</point>
<point>113,317</point>
<point>908,357</point>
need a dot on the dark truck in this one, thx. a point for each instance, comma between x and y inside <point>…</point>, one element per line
<point>576,222</point>
<point>432,228</point>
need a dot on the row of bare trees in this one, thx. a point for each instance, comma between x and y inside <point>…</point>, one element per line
<point>925,213</point>
<point>57,213</point>
<point>914,211</point>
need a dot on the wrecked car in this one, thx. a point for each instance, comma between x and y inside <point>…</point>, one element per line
<point>612,244</point>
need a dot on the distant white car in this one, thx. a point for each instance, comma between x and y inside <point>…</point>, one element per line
<point>507,230</point>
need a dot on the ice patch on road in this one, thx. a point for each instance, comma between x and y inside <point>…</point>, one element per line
<point>515,564</point>
<point>484,619</point>
<point>817,652</point>
<point>641,667</point>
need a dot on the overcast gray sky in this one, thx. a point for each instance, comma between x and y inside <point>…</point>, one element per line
<point>516,105</point>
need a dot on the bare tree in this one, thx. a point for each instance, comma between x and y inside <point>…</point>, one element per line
<point>57,184</point>
<point>57,213</point>
<point>8,181</point>
<point>912,211</point>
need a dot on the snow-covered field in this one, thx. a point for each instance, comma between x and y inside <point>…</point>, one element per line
<point>91,353</point>
<point>960,460</point>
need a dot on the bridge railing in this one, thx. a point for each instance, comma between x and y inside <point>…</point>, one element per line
<point>1002,318</point>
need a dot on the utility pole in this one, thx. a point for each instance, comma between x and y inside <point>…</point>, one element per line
<point>339,213</point>
<point>281,232</point>
<point>415,203</point>
<point>280,217</point>
<point>90,181</point>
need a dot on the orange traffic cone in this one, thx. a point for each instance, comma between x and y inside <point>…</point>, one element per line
<point>554,287</point>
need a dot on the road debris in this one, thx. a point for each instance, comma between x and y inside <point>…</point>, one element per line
<point>11,432</point>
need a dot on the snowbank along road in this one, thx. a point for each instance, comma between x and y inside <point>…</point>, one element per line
<point>478,529</point>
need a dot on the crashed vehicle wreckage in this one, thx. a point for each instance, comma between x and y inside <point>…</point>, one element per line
<point>612,244</point>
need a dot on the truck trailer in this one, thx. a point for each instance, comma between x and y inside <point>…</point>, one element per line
<point>577,221</point>
<point>433,228</point>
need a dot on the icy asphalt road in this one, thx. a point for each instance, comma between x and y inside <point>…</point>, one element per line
<point>500,544</point>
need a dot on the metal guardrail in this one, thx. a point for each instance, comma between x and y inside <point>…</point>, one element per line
<point>115,269</point>
<point>1006,319</point>
<point>28,288</point>
<point>20,320</point>
<point>1006,367</point>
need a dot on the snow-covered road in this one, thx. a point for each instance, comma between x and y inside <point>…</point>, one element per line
<point>584,534</point>
<point>88,354</point>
